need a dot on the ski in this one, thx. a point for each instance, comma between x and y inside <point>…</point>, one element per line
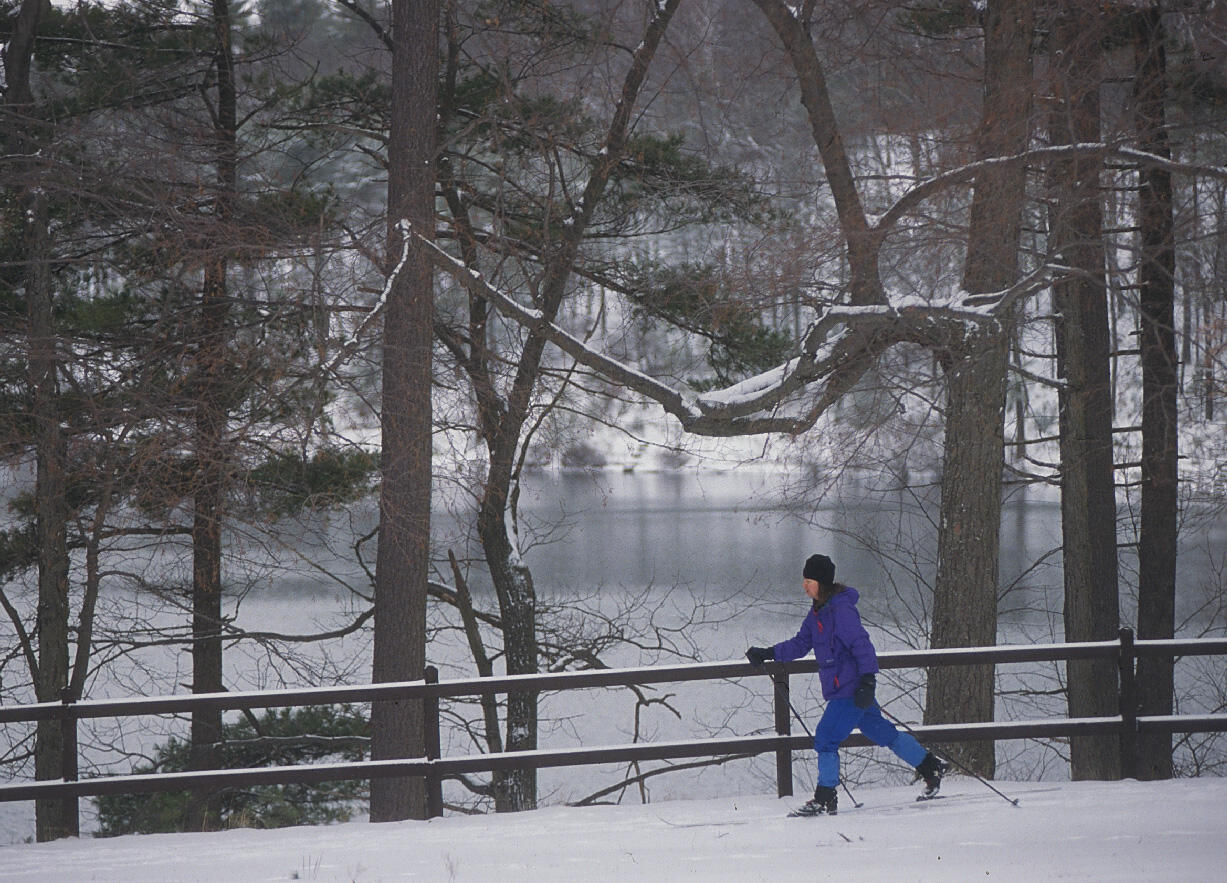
<point>798,814</point>
<point>916,803</point>
<point>825,803</point>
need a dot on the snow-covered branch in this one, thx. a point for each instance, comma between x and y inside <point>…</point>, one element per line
<point>1039,379</point>
<point>835,352</point>
<point>674,401</point>
<point>358,334</point>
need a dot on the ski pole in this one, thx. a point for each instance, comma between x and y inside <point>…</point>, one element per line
<point>1011,800</point>
<point>805,728</point>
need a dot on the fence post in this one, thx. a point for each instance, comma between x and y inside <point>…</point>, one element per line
<point>783,727</point>
<point>1128,707</point>
<point>69,769</point>
<point>430,725</point>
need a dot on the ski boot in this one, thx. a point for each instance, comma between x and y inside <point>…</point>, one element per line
<point>931,771</point>
<point>825,801</point>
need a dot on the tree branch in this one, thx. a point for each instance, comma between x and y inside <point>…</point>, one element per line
<point>966,174</point>
<point>23,637</point>
<point>380,31</point>
<point>659,771</point>
<point>835,353</point>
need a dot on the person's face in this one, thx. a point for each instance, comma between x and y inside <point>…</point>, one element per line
<point>811,588</point>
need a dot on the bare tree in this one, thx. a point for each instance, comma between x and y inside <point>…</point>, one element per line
<point>556,159</point>
<point>505,416</point>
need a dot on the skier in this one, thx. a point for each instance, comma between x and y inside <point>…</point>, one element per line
<point>847,670</point>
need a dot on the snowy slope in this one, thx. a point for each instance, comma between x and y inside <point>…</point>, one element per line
<point>1077,831</point>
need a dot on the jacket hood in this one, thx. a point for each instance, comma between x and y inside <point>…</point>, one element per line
<point>847,595</point>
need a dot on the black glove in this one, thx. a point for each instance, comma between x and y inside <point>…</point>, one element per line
<point>759,655</point>
<point>863,697</point>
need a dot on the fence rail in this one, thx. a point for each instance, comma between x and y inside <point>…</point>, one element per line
<point>435,769</point>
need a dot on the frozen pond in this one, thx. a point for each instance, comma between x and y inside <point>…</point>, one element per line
<point>715,554</point>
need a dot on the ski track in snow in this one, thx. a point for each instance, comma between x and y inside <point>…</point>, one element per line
<point>1077,831</point>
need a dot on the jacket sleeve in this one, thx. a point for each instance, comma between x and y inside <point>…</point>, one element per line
<point>796,646</point>
<point>850,633</point>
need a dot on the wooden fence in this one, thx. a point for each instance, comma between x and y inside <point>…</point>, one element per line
<point>435,769</point>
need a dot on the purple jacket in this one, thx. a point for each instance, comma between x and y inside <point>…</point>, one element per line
<point>840,644</point>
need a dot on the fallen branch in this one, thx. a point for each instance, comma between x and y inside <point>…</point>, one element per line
<point>659,771</point>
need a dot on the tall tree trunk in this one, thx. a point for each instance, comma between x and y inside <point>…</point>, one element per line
<point>965,599</point>
<point>53,818</point>
<point>1160,443</point>
<point>1088,496</point>
<point>514,790</point>
<point>968,543</point>
<point>403,562</point>
<point>1005,130</point>
<point>211,437</point>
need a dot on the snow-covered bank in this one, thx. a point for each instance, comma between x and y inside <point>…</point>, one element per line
<point>1078,831</point>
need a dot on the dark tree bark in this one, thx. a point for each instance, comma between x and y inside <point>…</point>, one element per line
<point>965,594</point>
<point>1160,386</point>
<point>402,566</point>
<point>211,420</point>
<point>1005,130</point>
<point>514,790</point>
<point>968,541</point>
<point>53,818</point>
<point>1088,496</point>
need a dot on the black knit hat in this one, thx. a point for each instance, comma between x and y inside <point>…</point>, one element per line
<point>820,568</point>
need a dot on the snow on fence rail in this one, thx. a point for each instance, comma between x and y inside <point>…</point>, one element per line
<point>434,769</point>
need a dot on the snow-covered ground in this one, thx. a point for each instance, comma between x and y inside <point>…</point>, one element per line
<point>1077,831</point>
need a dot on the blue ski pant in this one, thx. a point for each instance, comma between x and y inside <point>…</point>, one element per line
<point>840,719</point>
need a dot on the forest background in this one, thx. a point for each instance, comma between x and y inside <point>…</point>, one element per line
<point>941,248</point>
